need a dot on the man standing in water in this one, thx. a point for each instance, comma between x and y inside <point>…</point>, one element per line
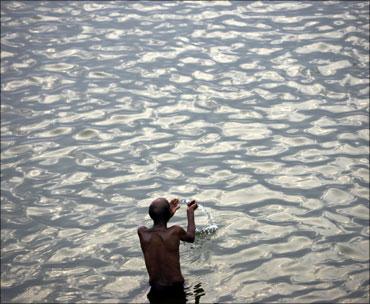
<point>160,246</point>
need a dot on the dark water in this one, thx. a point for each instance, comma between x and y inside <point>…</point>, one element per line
<point>260,110</point>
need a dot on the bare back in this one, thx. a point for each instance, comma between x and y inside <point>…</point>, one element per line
<point>161,253</point>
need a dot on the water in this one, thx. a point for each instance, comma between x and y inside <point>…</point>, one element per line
<point>259,110</point>
<point>209,226</point>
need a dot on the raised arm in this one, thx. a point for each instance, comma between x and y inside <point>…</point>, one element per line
<point>189,235</point>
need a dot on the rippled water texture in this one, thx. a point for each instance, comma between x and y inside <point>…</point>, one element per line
<point>259,110</point>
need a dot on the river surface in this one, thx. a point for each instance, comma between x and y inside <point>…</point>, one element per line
<point>259,110</point>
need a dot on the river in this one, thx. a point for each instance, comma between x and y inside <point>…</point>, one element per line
<point>259,110</point>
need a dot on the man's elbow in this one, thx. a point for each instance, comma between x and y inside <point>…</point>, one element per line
<point>191,238</point>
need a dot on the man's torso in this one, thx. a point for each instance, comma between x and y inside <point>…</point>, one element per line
<point>161,253</point>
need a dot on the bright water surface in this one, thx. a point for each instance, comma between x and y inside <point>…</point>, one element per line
<point>259,110</point>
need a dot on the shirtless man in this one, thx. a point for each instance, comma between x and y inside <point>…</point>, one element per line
<point>160,246</point>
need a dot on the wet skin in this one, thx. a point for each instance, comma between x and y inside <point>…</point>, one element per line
<point>160,245</point>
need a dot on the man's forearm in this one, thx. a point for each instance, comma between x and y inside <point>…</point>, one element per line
<point>191,224</point>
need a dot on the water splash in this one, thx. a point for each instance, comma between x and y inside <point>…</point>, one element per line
<point>211,227</point>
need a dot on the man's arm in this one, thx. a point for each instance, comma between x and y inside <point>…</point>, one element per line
<point>140,232</point>
<point>189,235</point>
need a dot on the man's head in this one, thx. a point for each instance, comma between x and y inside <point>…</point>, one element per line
<point>159,210</point>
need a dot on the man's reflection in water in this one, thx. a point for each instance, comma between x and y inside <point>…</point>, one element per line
<point>198,292</point>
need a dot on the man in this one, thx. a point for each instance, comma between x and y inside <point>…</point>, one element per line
<point>160,246</point>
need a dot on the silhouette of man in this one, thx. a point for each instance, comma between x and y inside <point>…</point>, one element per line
<point>160,246</point>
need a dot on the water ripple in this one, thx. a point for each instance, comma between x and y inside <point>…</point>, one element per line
<point>260,111</point>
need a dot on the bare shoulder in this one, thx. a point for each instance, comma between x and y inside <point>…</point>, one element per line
<point>177,229</point>
<point>141,229</point>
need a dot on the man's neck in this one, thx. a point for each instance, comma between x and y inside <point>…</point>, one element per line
<point>160,225</point>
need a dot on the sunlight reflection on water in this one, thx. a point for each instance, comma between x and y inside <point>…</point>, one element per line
<point>259,110</point>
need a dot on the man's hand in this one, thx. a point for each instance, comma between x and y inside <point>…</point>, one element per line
<point>192,206</point>
<point>174,206</point>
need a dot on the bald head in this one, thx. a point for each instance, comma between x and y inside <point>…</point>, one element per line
<point>159,210</point>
